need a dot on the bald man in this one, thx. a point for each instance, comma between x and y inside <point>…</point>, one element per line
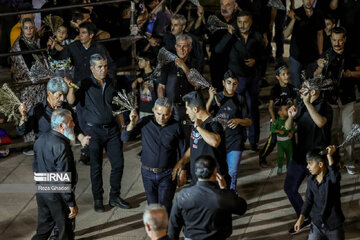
<point>156,222</point>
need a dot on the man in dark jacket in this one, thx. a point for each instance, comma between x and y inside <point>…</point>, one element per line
<point>245,56</point>
<point>219,59</point>
<point>207,199</point>
<point>53,154</point>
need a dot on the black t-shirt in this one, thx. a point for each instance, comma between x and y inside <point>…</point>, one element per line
<point>147,93</point>
<point>175,81</point>
<point>235,107</point>
<point>199,147</point>
<point>303,45</point>
<point>343,88</point>
<point>283,95</point>
<point>310,136</point>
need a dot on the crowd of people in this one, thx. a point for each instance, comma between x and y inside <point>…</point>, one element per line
<point>189,133</point>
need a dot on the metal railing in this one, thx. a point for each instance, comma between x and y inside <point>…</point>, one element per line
<point>72,6</point>
<point>61,7</point>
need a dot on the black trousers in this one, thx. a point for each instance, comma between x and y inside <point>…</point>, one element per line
<point>108,139</point>
<point>268,147</point>
<point>53,210</point>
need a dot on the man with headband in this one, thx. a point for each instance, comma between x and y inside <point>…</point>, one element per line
<point>313,117</point>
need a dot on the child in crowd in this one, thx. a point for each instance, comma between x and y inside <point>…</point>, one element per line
<point>323,197</point>
<point>234,105</point>
<point>330,23</point>
<point>282,92</point>
<point>145,85</point>
<point>283,136</point>
<point>62,67</point>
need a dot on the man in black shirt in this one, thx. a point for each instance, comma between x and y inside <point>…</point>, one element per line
<point>207,137</point>
<point>219,59</point>
<point>337,64</point>
<point>80,52</point>
<point>313,118</point>
<point>244,60</point>
<point>204,210</point>
<point>323,198</point>
<point>95,97</point>
<point>174,83</point>
<point>161,138</point>
<point>38,117</point>
<point>178,24</point>
<point>54,155</point>
<point>306,27</point>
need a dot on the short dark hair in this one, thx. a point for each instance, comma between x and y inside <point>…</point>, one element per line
<point>90,27</point>
<point>339,30</point>
<point>148,56</point>
<point>331,18</point>
<point>204,166</point>
<point>315,155</point>
<point>230,74</point>
<point>77,16</point>
<point>244,14</point>
<point>279,106</point>
<point>194,99</point>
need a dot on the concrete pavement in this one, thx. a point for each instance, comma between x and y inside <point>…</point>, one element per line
<point>269,215</point>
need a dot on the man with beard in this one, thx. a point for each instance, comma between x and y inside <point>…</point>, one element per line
<point>178,24</point>
<point>244,60</point>
<point>38,118</point>
<point>54,155</point>
<point>219,59</point>
<point>95,97</point>
<point>306,27</point>
<point>338,65</point>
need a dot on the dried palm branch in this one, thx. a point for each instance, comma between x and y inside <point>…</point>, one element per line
<point>126,102</point>
<point>195,2</point>
<point>351,138</point>
<point>164,57</point>
<point>214,24</point>
<point>53,22</point>
<point>40,71</point>
<point>9,103</point>
<point>223,119</point>
<point>199,81</point>
<point>276,4</point>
